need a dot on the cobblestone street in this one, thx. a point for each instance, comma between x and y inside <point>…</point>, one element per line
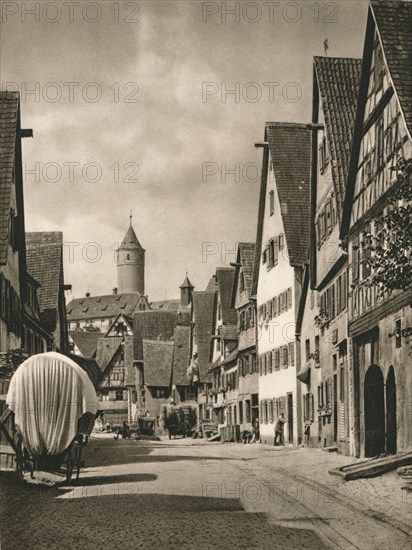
<point>192,494</point>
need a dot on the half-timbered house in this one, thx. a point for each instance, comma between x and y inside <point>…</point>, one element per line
<point>379,322</point>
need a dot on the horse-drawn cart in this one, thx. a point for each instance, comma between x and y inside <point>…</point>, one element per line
<point>51,411</point>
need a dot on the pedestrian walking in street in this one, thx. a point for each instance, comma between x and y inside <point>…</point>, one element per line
<point>280,422</point>
<point>125,430</point>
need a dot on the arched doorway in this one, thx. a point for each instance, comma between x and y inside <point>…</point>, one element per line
<point>391,412</point>
<point>374,401</point>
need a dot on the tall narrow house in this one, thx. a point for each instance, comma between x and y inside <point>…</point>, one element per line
<point>245,305</point>
<point>282,246</point>
<point>323,330</point>
<point>380,316</point>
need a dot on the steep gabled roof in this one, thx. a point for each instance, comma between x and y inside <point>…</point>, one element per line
<point>9,118</point>
<point>168,305</point>
<point>181,355</point>
<point>153,325</point>
<point>44,256</point>
<point>392,20</point>
<point>106,349</point>
<point>228,332</point>
<point>290,150</point>
<point>204,317</point>
<point>225,280</point>
<point>212,285</point>
<point>158,359</point>
<point>128,319</point>
<point>110,305</point>
<point>130,241</point>
<point>394,23</point>
<point>338,81</point>
<point>86,342</point>
<point>245,259</point>
<point>89,365</point>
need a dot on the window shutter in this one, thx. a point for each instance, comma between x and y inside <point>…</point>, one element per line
<point>264,364</point>
<point>344,295</point>
<point>332,302</point>
<point>328,218</point>
<point>292,353</point>
<point>270,406</point>
<point>285,356</point>
<point>275,251</point>
<point>317,229</point>
<point>274,306</point>
<point>311,408</point>
<point>269,308</point>
<point>289,298</point>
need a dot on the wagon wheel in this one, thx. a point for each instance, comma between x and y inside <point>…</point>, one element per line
<point>70,461</point>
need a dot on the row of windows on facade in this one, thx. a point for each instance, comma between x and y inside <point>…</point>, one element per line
<point>32,342</point>
<point>377,153</point>
<point>10,306</point>
<point>273,360</point>
<point>243,412</point>
<point>247,364</point>
<point>270,254</point>
<point>335,298</point>
<point>113,395</point>
<point>326,391</point>
<point>247,318</point>
<point>226,381</point>
<point>276,306</point>
<point>271,409</point>
<point>326,221</point>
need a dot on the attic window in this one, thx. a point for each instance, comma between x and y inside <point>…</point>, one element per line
<point>118,299</point>
<point>104,308</point>
<point>272,202</point>
<point>85,310</point>
<point>241,281</point>
<point>98,300</point>
<point>123,306</point>
<point>81,302</point>
<point>323,155</point>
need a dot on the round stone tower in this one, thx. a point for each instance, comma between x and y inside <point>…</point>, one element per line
<point>130,264</point>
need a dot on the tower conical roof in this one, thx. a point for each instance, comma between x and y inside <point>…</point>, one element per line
<point>130,240</point>
<point>186,283</point>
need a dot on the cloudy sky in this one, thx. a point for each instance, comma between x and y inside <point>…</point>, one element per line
<point>131,110</point>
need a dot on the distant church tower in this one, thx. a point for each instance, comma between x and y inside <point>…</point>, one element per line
<point>130,263</point>
<point>186,291</point>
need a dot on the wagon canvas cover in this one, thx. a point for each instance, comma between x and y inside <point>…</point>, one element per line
<point>48,394</point>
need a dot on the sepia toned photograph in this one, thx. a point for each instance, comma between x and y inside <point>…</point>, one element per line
<point>206,275</point>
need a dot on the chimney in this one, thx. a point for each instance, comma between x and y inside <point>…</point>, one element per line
<point>87,294</point>
<point>115,290</point>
